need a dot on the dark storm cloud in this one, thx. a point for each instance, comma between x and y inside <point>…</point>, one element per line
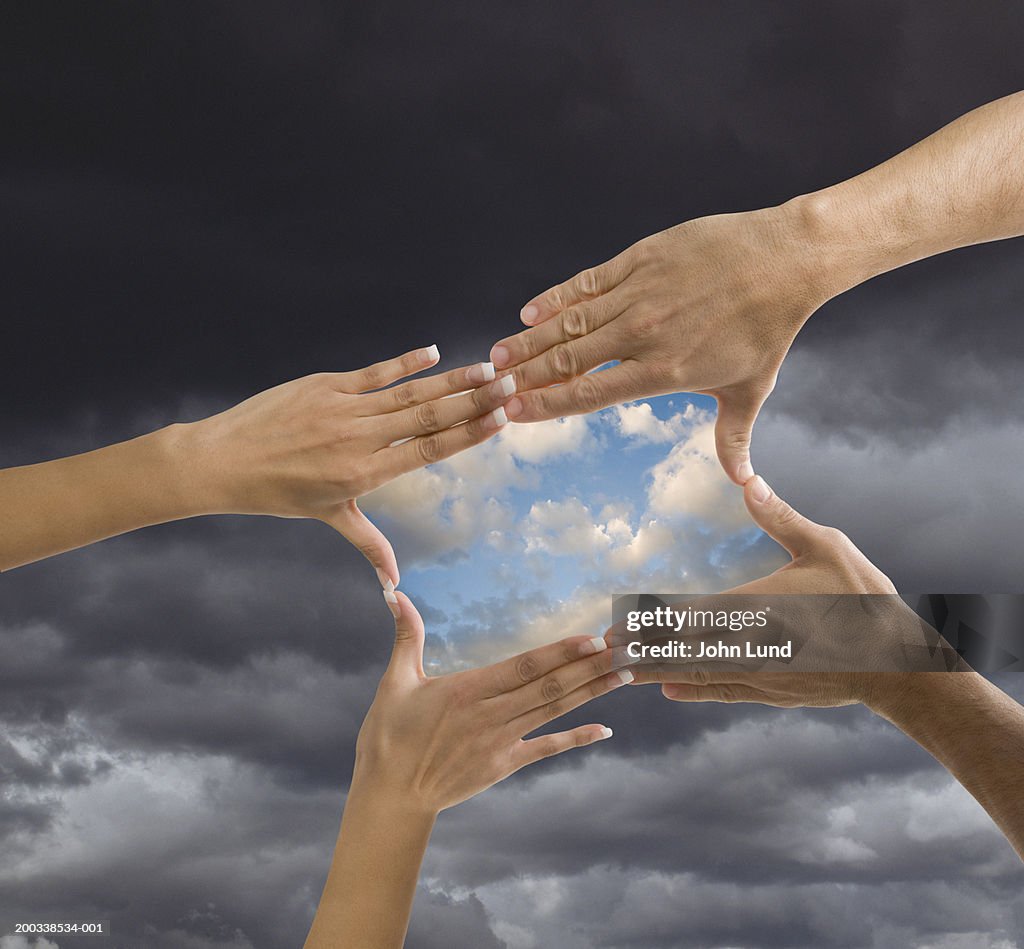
<point>199,200</point>
<point>216,198</point>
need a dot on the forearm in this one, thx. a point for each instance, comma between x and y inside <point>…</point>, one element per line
<point>973,729</point>
<point>368,896</point>
<point>59,505</point>
<point>962,185</point>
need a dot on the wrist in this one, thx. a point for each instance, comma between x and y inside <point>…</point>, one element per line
<point>390,800</point>
<point>391,794</point>
<point>193,477</point>
<point>901,696</point>
<point>834,251</point>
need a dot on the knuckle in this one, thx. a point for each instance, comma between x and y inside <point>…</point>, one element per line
<point>481,399</point>
<point>370,550</point>
<point>645,325</point>
<point>574,322</point>
<point>553,710</point>
<point>548,747</point>
<point>430,448</point>
<point>527,668</point>
<point>552,689</point>
<point>556,299</point>
<point>737,439</point>
<point>834,537</point>
<point>586,282</point>
<point>426,416</point>
<point>701,676</point>
<point>404,395</point>
<point>588,391</point>
<point>787,516</point>
<point>562,364</point>
<point>373,377</point>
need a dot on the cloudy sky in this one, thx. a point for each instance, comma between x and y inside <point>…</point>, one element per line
<point>201,200</point>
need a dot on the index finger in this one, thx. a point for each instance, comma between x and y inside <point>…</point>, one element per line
<point>514,673</point>
<point>437,386</point>
<point>382,374</point>
<point>586,285</point>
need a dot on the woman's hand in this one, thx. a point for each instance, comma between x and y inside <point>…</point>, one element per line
<point>307,448</point>
<point>429,743</point>
<point>311,447</point>
<point>438,741</point>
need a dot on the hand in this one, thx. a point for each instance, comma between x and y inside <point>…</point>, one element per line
<point>434,742</point>
<point>825,561</point>
<point>310,447</point>
<point>709,306</point>
<point>429,743</point>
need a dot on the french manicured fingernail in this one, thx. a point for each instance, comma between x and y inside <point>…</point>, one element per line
<point>497,418</point>
<point>500,356</point>
<point>625,677</point>
<point>605,732</point>
<point>597,644</point>
<point>385,581</point>
<point>392,602</point>
<point>429,355</point>
<point>529,313</point>
<point>759,490</point>
<point>482,372</point>
<point>745,472</point>
<point>504,387</point>
<point>621,656</point>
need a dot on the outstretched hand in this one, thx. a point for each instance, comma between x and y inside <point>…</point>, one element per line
<point>710,306</point>
<point>311,447</point>
<point>436,741</point>
<point>824,561</point>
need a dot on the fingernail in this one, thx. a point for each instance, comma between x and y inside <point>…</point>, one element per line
<point>597,644</point>
<point>605,732</point>
<point>498,418</point>
<point>621,656</point>
<point>625,677</point>
<point>504,387</point>
<point>759,490</point>
<point>483,372</point>
<point>529,313</point>
<point>513,408</point>
<point>500,356</point>
<point>429,355</point>
<point>745,472</point>
<point>385,581</point>
<point>392,602</point>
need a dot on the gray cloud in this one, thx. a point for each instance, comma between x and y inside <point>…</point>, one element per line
<point>201,201</point>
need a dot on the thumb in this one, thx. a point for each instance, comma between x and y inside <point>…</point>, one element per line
<point>777,519</point>
<point>367,538</point>
<point>407,654</point>
<point>736,417</point>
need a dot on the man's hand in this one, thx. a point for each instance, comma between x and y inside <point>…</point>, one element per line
<point>972,728</point>
<point>825,561</point>
<point>709,306</point>
<point>712,306</point>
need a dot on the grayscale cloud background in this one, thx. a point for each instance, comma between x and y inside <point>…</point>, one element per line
<point>200,200</point>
